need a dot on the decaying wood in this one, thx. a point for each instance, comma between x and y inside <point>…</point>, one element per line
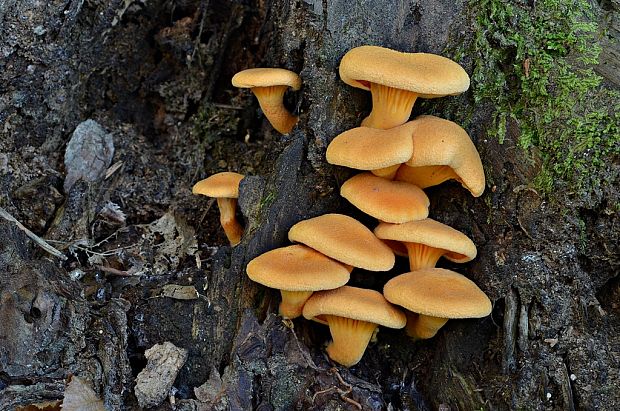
<point>156,76</point>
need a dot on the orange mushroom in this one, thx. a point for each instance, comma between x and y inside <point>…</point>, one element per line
<point>269,86</point>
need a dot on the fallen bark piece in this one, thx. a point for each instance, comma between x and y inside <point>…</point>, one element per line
<point>154,382</point>
<point>79,396</point>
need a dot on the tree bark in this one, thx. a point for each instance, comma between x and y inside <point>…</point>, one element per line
<point>157,76</point>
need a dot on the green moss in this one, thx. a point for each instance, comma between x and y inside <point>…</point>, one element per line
<point>533,62</point>
<point>267,200</point>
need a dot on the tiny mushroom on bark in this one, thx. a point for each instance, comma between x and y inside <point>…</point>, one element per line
<point>297,271</point>
<point>225,188</point>
<point>353,315</point>
<point>434,296</point>
<point>443,151</point>
<point>364,148</point>
<point>386,200</point>
<point>396,79</point>
<point>344,239</point>
<point>269,86</point>
<point>427,240</point>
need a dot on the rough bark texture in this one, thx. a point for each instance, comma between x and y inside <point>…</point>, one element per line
<point>156,75</point>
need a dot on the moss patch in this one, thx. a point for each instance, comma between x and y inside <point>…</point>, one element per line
<point>533,62</point>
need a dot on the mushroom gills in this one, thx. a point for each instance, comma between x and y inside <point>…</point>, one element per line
<point>270,100</point>
<point>349,339</point>
<point>422,327</point>
<point>391,106</point>
<point>426,176</point>
<point>422,255</point>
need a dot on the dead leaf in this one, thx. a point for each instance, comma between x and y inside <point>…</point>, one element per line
<point>89,153</point>
<point>79,396</point>
<point>179,292</point>
<point>41,406</point>
<point>551,341</point>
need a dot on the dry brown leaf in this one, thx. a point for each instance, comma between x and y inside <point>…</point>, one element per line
<point>179,292</point>
<point>41,406</point>
<point>79,396</point>
<point>89,153</point>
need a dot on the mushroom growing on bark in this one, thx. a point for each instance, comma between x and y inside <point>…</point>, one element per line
<point>433,296</point>
<point>353,315</point>
<point>365,148</point>
<point>269,86</point>
<point>344,239</point>
<point>225,188</point>
<point>427,240</point>
<point>386,200</point>
<point>297,271</point>
<point>443,151</point>
<point>397,79</point>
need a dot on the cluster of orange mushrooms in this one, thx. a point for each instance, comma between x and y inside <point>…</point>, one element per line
<point>400,158</point>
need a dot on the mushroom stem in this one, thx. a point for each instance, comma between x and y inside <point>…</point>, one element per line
<point>391,107</point>
<point>426,176</point>
<point>388,172</point>
<point>271,101</point>
<point>293,303</point>
<point>421,327</point>
<point>228,219</point>
<point>422,255</point>
<point>350,339</point>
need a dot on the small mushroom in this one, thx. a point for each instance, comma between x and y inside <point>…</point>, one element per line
<point>353,315</point>
<point>396,79</point>
<point>225,188</point>
<point>386,200</point>
<point>269,86</point>
<point>433,296</point>
<point>442,151</point>
<point>427,240</point>
<point>297,271</point>
<point>344,239</point>
<point>364,148</point>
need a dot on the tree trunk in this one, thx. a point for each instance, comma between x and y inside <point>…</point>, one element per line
<point>156,76</point>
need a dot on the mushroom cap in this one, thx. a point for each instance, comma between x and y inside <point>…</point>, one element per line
<point>438,293</point>
<point>344,239</point>
<point>386,200</point>
<point>220,185</point>
<point>365,148</point>
<point>266,77</point>
<point>459,248</point>
<point>437,141</point>
<point>355,303</point>
<point>297,268</point>
<point>428,75</point>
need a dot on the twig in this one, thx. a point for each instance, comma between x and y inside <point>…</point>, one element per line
<point>227,106</point>
<point>113,271</point>
<point>40,242</point>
